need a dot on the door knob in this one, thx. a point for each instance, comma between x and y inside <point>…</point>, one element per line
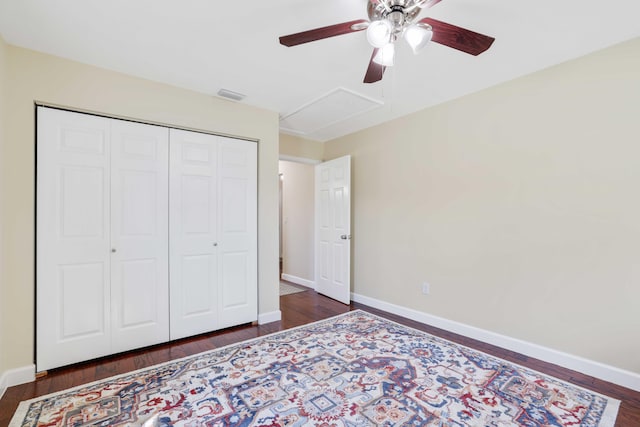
<point>113,250</point>
<point>346,237</point>
<point>215,243</point>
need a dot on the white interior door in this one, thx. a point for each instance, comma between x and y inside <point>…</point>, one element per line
<point>193,233</point>
<point>333,229</point>
<point>139,235</point>
<point>72,257</point>
<point>238,231</point>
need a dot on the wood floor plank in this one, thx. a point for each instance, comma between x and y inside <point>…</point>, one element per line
<point>297,309</point>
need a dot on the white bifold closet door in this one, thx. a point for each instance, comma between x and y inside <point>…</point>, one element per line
<point>213,230</point>
<point>139,235</point>
<point>102,263</point>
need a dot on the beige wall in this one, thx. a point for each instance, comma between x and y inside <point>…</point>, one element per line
<point>294,146</point>
<point>298,219</point>
<point>39,77</point>
<point>3,301</point>
<point>519,204</point>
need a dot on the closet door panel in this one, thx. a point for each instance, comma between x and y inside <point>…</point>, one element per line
<point>197,276</point>
<point>139,235</point>
<point>72,249</point>
<point>82,201</point>
<point>193,233</point>
<point>237,278</point>
<point>79,283</point>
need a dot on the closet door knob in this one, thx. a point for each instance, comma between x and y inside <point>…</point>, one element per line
<point>113,250</point>
<point>215,243</point>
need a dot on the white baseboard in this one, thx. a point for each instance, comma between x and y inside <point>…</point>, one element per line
<point>299,281</point>
<point>272,316</point>
<point>16,377</point>
<point>589,367</point>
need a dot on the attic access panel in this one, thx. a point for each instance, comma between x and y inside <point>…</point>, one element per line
<point>338,105</point>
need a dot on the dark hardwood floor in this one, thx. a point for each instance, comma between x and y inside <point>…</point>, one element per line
<point>297,309</point>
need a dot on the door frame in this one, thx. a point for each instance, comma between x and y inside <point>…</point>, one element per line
<point>311,282</point>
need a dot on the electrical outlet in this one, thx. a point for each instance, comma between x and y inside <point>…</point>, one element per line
<point>426,288</point>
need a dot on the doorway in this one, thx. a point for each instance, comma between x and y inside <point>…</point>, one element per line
<point>297,216</point>
<point>315,200</point>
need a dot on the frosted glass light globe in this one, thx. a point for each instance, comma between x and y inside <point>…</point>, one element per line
<point>417,37</point>
<point>379,33</point>
<point>385,55</point>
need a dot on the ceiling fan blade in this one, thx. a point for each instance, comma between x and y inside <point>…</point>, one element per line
<point>375,71</point>
<point>323,32</point>
<point>459,38</point>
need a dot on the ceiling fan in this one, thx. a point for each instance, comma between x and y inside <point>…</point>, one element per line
<point>390,20</point>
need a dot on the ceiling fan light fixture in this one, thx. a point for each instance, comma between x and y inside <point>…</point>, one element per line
<point>388,21</point>
<point>379,33</point>
<point>418,36</point>
<point>385,55</point>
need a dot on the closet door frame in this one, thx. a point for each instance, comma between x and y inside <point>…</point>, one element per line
<point>106,329</point>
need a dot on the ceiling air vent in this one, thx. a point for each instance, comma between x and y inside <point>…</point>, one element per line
<point>229,94</point>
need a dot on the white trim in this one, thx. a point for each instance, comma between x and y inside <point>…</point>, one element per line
<point>299,281</point>
<point>272,316</point>
<point>17,376</point>
<point>296,159</point>
<point>589,367</point>
<point>137,120</point>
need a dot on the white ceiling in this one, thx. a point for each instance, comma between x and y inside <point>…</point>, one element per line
<point>206,45</point>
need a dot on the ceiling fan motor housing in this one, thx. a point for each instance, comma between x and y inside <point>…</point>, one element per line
<point>399,13</point>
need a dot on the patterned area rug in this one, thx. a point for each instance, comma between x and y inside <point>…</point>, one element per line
<point>356,369</point>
